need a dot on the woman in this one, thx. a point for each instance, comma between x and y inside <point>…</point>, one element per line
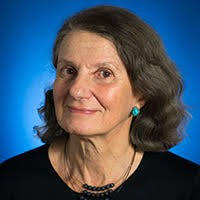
<point>113,113</point>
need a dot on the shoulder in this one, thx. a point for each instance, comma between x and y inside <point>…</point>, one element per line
<point>168,163</point>
<point>24,162</point>
<point>173,171</point>
<point>165,173</point>
<point>20,173</point>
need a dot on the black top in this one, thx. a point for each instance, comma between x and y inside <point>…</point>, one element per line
<point>160,176</point>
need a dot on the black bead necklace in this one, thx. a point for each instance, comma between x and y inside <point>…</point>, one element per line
<point>105,192</point>
<point>96,192</point>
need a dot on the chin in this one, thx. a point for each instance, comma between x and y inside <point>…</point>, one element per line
<point>80,130</point>
<point>79,127</point>
<point>84,132</point>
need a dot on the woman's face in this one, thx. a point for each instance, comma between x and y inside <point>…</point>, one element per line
<point>92,91</point>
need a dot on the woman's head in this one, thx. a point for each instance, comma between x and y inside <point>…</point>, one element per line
<point>152,75</point>
<point>92,91</point>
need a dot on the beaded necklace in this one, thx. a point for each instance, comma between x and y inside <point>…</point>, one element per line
<point>104,192</point>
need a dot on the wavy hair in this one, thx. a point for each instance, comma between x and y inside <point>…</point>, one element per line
<point>153,75</point>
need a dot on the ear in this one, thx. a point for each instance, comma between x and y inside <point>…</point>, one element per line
<point>139,102</point>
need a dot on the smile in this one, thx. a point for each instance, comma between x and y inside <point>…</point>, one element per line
<point>81,111</point>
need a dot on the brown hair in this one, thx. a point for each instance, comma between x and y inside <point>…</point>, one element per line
<point>152,74</point>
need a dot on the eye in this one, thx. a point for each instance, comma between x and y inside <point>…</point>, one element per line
<point>67,71</point>
<point>104,73</point>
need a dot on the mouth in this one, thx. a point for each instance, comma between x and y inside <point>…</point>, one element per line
<point>83,111</point>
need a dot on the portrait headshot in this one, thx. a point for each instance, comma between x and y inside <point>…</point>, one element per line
<point>100,100</point>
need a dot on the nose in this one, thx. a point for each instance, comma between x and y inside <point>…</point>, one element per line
<point>80,88</point>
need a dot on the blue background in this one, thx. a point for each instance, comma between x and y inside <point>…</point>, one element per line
<point>28,32</point>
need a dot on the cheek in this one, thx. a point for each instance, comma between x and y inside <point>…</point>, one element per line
<point>59,91</point>
<point>116,97</point>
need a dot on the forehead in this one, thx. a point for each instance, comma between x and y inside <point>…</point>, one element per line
<point>88,47</point>
<point>86,39</point>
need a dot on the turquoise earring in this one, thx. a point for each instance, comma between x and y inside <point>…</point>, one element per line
<point>135,111</point>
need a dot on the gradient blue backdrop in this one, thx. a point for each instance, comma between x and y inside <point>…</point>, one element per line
<point>28,32</point>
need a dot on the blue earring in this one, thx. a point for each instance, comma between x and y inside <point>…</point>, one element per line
<point>135,111</point>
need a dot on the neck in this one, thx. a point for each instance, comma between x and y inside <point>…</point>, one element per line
<point>93,159</point>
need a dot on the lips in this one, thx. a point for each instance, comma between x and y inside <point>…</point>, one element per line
<point>85,111</point>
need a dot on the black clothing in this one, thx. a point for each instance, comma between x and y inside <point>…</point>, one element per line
<point>160,176</point>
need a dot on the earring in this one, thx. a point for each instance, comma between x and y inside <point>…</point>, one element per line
<point>135,111</point>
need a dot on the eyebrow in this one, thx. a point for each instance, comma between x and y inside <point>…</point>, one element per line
<point>68,62</point>
<point>64,61</point>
